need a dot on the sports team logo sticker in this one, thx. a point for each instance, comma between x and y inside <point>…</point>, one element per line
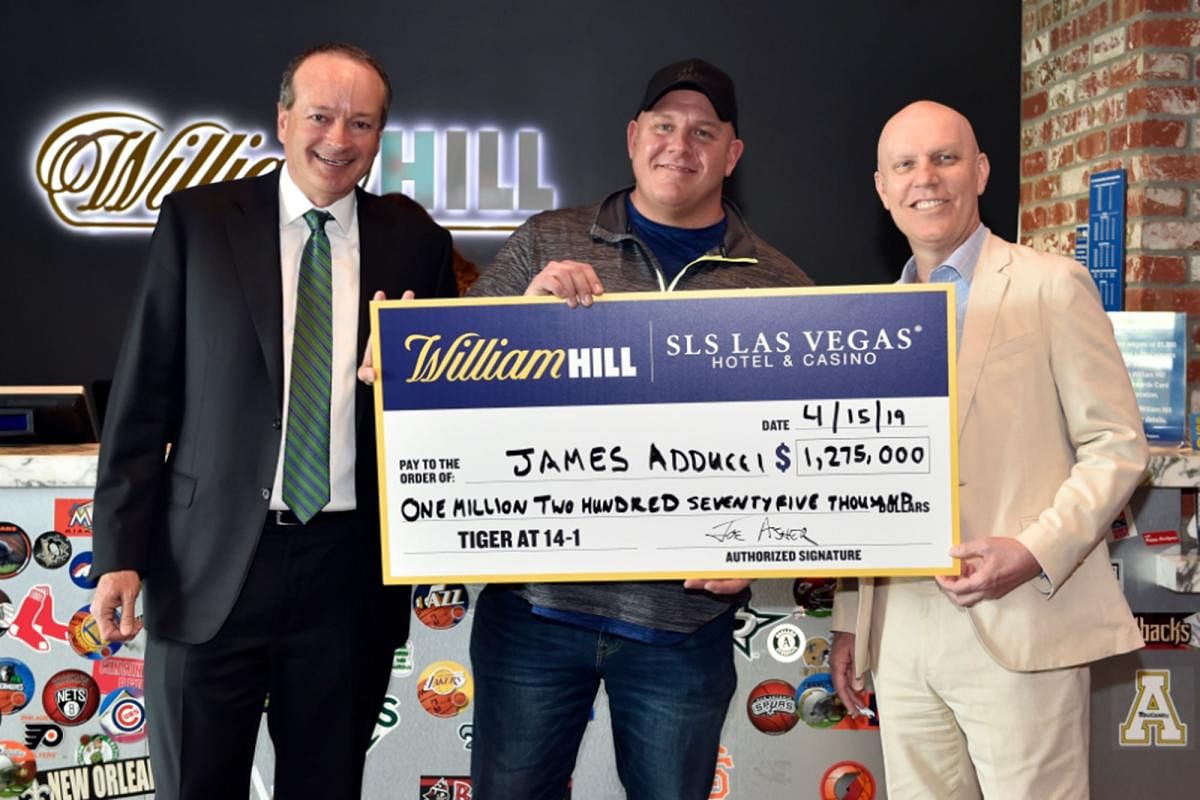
<point>816,655</point>
<point>817,702</point>
<point>1169,631</point>
<point>771,707</point>
<point>123,715</point>
<point>722,786</point>
<point>85,638</point>
<point>445,688</point>
<point>70,697</point>
<point>786,642</point>
<point>18,768</point>
<point>814,596</point>
<point>52,550</point>
<point>34,623</point>
<point>1153,719</point>
<point>441,605</point>
<point>445,787</point>
<point>73,515</point>
<point>113,673</point>
<point>848,780</point>
<point>16,686</point>
<point>387,721</point>
<point>865,721</point>
<point>81,570</point>
<point>15,550</point>
<point>42,734</point>
<point>7,612</point>
<point>120,778</point>
<point>750,621</point>
<point>96,749</point>
<point>402,661</point>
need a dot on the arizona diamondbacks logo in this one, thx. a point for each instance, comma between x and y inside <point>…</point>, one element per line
<point>1153,720</point>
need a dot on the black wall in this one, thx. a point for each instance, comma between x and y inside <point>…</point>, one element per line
<point>816,81</point>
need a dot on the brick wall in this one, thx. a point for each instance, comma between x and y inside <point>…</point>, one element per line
<point>1108,84</point>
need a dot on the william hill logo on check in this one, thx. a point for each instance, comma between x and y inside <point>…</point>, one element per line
<point>471,357</point>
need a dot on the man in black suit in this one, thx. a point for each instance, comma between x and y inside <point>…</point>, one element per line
<point>241,354</point>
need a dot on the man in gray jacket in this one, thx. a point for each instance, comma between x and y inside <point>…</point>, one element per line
<point>662,648</point>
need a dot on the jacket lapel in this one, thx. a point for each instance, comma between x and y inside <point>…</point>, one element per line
<point>987,292</point>
<point>372,258</point>
<point>254,241</point>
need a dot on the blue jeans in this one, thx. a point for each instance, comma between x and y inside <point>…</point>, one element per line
<point>535,681</point>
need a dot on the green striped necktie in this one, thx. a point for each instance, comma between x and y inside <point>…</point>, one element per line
<point>306,454</point>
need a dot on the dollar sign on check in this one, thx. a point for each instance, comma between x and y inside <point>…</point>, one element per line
<point>781,455</point>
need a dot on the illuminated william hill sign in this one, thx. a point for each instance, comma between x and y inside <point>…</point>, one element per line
<point>467,179</point>
<point>110,170</point>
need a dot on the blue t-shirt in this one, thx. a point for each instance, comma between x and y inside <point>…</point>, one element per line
<point>674,247</point>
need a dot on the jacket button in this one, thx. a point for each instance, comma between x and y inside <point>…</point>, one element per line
<point>266,493</point>
<point>276,424</point>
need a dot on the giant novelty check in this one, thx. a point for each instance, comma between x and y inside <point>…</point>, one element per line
<point>719,434</point>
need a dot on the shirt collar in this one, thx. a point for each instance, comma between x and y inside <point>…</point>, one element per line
<point>962,260</point>
<point>293,204</point>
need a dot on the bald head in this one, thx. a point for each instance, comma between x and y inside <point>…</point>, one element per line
<point>929,175</point>
<point>925,114</point>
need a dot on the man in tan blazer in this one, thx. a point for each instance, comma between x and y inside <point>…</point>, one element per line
<point>982,678</point>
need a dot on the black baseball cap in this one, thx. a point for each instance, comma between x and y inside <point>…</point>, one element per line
<point>700,76</point>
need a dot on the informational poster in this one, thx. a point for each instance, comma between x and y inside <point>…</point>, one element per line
<point>1154,346</point>
<point>777,432</point>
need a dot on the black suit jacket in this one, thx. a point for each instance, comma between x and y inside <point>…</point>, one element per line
<point>201,369</point>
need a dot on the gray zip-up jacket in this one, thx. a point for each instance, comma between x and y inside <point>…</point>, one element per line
<point>600,235</point>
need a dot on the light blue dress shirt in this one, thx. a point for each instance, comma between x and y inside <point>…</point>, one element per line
<point>958,269</point>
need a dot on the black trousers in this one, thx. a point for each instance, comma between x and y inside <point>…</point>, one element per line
<point>305,637</point>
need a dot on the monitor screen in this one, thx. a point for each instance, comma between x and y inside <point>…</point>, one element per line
<point>46,415</point>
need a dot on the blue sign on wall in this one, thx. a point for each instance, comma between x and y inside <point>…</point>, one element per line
<point>1106,236</point>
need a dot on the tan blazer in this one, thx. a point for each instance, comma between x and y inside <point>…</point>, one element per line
<point>1050,448</point>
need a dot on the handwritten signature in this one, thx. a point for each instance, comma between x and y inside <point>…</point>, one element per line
<point>730,531</point>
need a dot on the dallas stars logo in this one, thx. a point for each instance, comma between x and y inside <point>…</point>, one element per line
<point>749,622</point>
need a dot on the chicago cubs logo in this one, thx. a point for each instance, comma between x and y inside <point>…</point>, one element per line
<point>445,688</point>
<point>123,715</point>
<point>847,780</point>
<point>771,707</point>
<point>1153,720</point>
<point>441,605</point>
<point>70,697</point>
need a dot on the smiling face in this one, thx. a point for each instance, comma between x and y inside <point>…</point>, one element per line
<point>331,133</point>
<point>930,175</point>
<point>681,154</point>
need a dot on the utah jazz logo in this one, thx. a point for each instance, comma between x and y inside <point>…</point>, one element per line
<point>1153,720</point>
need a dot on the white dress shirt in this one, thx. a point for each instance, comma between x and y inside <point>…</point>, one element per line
<point>342,231</point>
